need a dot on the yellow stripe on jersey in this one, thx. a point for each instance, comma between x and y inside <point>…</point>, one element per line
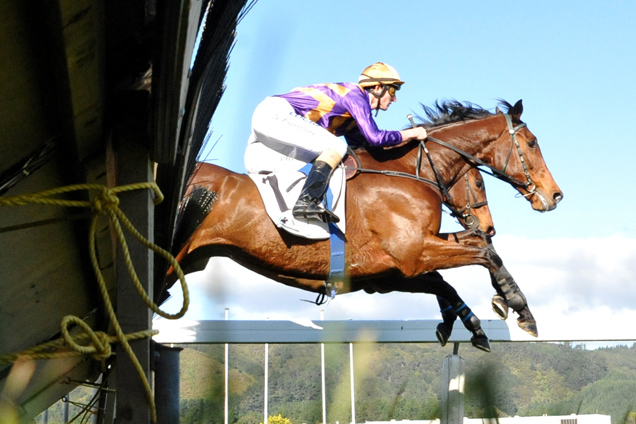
<point>337,121</point>
<point>340,89</point>
<point>325,103</point>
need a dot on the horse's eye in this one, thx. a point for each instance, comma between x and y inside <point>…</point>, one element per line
<point>532,143</point>
<point>479,184</point>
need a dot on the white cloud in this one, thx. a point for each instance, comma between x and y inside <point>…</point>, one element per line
<point>577,289</point>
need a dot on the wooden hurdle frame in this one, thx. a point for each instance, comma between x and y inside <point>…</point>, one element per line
<point>338,331</point>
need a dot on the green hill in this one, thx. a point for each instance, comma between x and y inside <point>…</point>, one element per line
<point>402,381</point>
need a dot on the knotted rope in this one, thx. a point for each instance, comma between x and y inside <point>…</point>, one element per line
<point>105,203</point>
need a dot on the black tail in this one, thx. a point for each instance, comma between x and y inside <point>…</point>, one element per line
<point>194,208</point>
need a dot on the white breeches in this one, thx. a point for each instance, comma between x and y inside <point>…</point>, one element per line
<point>283,140</point>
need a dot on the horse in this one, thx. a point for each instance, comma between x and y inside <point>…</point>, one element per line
<point>392,223</point>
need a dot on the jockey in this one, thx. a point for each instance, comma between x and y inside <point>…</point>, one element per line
<point>304,125</point>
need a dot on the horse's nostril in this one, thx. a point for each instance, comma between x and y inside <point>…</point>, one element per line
<point>491,231</point>
<point>557,197</point>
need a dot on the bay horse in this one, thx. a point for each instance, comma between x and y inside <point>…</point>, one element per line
<point>393,223</point>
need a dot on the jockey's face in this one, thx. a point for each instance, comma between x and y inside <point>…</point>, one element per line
<point>385,100</point>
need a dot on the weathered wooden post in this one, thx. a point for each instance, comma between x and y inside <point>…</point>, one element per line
<point>452,391</point>
<point>167,378</point>
<point>133,165</point>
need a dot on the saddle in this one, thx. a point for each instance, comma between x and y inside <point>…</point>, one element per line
<point>351,165</point>
<point>280,190</point>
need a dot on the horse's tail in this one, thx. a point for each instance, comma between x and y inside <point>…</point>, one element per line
<point>193,210</point>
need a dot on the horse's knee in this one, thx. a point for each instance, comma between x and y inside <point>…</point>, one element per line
<point>494,259</point>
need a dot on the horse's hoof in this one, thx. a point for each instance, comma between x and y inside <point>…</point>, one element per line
<point>500,306</point>
<point>442,333</point>
<point>529,326</point>
<point>481,343</point>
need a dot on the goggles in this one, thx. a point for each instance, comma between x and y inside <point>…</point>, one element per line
<point>392,89</point>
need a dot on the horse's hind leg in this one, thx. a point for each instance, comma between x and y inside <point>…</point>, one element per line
<point>434,283</point>
<point>473,324</point>
<point>469,319</point>
<point>445,328</point>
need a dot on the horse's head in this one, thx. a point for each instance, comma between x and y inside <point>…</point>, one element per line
<point>468,202</point>
<point>518,156</point>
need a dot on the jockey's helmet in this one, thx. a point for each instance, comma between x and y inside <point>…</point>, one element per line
<point>379,73</point>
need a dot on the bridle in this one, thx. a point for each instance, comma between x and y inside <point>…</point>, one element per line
<point>528,185</point>
<point>471,221</point>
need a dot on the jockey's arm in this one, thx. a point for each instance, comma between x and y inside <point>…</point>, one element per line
<point>417,133</point>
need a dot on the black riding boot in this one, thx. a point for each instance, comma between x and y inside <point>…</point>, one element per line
<point>309,203</point>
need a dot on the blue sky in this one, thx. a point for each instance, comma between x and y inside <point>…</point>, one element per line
<point>571,62</point>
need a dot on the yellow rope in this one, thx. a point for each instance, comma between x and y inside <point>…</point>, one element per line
<point>56,349</point>
<point>106,203</point>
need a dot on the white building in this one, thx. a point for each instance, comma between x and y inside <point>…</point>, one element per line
<point>545,419</point>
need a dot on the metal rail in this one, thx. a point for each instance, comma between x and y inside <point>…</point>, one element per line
<point>372,331</point>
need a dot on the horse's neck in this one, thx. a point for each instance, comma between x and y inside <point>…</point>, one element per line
<point>473,137</point>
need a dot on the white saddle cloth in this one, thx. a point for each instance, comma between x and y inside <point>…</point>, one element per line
<point>279,192</point>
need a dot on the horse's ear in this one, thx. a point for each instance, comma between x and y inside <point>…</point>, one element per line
<point>516,110</point>
<point>497,110</point>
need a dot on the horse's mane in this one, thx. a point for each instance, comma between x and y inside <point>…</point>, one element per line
<point>451,111</point>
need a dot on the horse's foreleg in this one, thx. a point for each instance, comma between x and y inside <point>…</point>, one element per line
<point>450,303</point>
<point>508,292</point>
<point>510,295</point>
<point>438,253</point>
<point>472,237</point>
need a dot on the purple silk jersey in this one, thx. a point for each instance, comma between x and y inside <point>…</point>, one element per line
<point>343,109</point>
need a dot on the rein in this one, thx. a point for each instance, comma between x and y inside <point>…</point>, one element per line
<point>416,177</point>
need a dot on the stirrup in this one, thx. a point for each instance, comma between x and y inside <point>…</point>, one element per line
<point>314,211</point>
